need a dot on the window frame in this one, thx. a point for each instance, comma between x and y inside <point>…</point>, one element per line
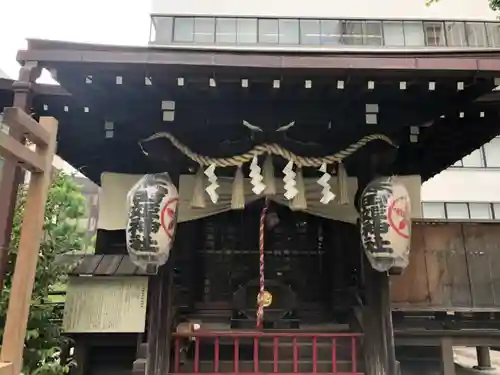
<point>311,32</point>
<point>493,212</point>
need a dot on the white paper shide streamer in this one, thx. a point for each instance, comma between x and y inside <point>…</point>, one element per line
<point>289,180</point>
<point>212,188</point>
<point>256,177</point>
<point>326,194</point>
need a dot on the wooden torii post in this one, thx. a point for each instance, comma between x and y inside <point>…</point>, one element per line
<point>38,161</point>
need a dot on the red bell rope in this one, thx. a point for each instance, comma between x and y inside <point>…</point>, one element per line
<point>262,227</point>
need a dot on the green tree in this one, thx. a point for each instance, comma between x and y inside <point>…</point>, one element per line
<point>65,205</point>
<point>495,4</point>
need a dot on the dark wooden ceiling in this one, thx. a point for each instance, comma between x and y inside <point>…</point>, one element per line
<point>127,86</point>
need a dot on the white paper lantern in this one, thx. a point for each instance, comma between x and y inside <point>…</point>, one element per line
<point>152,219</point>
<point>385,218</point>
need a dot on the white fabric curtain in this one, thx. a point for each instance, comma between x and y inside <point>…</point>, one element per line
<point>115,186</point>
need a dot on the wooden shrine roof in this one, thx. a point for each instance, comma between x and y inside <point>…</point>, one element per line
<point>127,86</point>
<point>383,59</point>
<point>101,265</point>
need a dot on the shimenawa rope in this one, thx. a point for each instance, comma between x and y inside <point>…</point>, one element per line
<point>268,148</point>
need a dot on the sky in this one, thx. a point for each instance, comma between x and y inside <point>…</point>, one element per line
<point>94,21</point>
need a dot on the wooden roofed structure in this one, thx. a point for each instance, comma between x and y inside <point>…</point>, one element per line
<point>426,93</point>
<point>221,103</point>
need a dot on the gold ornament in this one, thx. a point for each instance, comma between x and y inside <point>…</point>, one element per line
<point>266,298</point>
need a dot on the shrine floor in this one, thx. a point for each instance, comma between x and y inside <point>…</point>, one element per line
<point>465,360</point>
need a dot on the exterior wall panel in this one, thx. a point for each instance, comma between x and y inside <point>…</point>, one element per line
<point>463,185</point>
<point>453,266</point>
<point>409,9</point>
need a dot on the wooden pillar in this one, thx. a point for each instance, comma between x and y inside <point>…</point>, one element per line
<point>447,362</point>
<point>31,230</point>
<point>159,321</point>
<point>12,175</point>
<point>160,313</point>
<point>80,356</point>
<point>377,323</point>
<point>483,358</point>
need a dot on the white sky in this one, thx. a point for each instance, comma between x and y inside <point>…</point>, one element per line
<point>95,21</point>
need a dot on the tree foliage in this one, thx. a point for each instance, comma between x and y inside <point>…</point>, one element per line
<point>65,205</point>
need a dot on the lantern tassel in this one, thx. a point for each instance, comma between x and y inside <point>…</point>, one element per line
<point>238,196</point>
<point>299,202</point>
<point>268,172</point>
<point>342,184</point>
<point>198,199</point>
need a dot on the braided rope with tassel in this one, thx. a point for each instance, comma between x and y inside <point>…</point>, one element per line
<point>262,280</point>
<point>268,148</point>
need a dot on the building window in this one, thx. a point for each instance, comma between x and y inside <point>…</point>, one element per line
<point>393,33</point>
<point>310,32</point>
<point>204,30</point>
<point>331,32</point>
<point>268,31</point>
<point>352,34</point>
<point>225,31</point>
<point>476,34</point>
<point>163,27</point>
<point>314,32</point>
<point>289,32</point>
<point>414,33</point>
<point>493,34</point>
<point>434,34</point>
<point>246,31</point>
<point>433,210</point>
<point>496,211</point>
<point>461,210</point>
<point>184,30</point>
<point>474,160</point>
<point>373,33</point>
<point>492,153</point>
<point>455,34</point>
<point>480,211</point>
<point>457,211</point>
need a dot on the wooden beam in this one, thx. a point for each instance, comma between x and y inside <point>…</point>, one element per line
<point>25,124</point>
<point>27,256</point>
<point>160,321</point>
<point>14,150</point>
<point>6,368</point>
<point>12,174</point>
<point>379,348</point>
<point>447,362</point>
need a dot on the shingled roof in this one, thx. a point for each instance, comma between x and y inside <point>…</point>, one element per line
<point>102,265</point>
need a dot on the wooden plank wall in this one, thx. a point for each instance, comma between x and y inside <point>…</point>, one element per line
<point>452,266</point>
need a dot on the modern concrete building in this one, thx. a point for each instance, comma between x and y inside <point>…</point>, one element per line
<point>469,189</point>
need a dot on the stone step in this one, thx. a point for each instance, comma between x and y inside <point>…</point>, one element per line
<point>267,367</point>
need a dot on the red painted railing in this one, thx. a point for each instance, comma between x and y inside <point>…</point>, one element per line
<point>236,352</point>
